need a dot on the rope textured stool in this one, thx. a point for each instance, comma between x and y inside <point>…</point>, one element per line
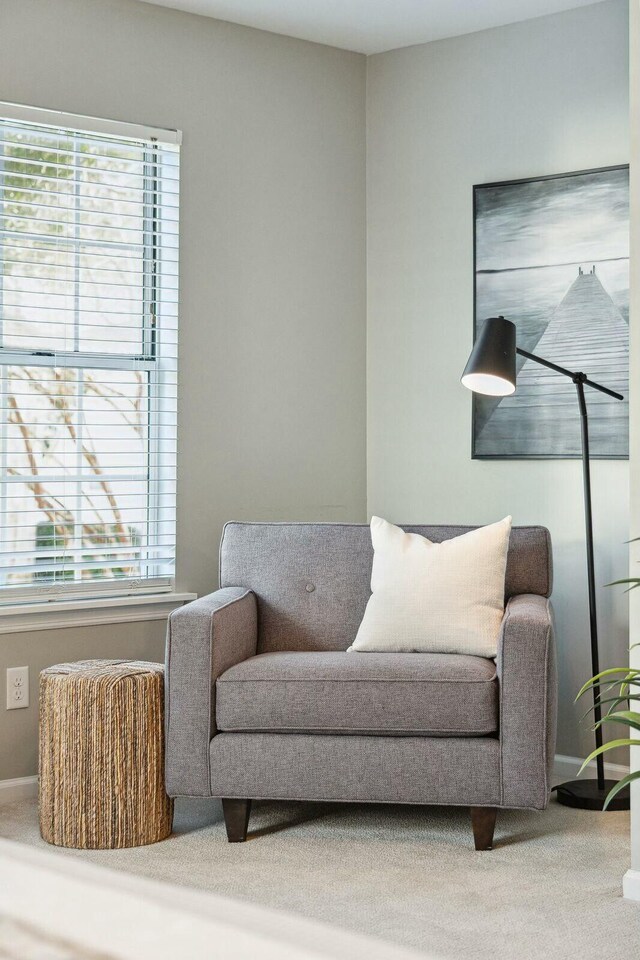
<point>102,755</point>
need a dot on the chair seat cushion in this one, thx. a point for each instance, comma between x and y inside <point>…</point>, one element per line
<point>377,693</point>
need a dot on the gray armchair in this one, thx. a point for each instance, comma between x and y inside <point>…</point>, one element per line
<point>263,702</point>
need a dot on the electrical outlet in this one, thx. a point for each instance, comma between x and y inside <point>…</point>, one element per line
<point>17,687</point>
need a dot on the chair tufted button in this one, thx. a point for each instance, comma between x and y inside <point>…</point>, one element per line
<point>309,588</point>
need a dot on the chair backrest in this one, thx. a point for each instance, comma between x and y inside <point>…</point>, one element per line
<point>312,580</point>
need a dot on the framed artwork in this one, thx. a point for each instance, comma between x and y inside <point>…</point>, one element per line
<point>552,255</point>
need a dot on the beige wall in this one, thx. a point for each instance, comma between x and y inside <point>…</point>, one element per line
<point>543,96</point>
<point>272,280</point>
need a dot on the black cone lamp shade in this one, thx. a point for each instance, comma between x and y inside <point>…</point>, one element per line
<point>491,368</point>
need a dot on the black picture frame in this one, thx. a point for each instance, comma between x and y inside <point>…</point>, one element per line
<point>476,401</point>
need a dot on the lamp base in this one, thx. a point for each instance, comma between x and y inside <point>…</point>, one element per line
<point>586,795</point>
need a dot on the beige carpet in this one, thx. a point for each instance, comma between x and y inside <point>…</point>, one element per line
<point>550,887</point>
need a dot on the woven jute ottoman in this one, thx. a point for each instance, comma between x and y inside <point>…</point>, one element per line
<point>102,755</point>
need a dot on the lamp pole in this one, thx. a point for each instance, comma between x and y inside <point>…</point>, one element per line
<point>593,620</point>
<point>587,794</point>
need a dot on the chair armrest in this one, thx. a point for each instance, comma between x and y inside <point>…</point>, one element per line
<point>526,668</point>
<point>204,638</point>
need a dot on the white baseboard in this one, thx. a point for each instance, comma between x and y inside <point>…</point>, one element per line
<point>631,885</point>
<point>566,768</point>
<point>21,788</point>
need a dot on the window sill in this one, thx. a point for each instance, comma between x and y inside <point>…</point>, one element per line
<point>56,614</point>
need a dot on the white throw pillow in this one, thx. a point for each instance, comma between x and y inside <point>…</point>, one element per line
<point>435,597</point>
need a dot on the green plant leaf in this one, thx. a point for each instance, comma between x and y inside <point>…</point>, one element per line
<point>628,717</point>
<point>631,674</point>
<point>626,696</point>
<point>609,746</point>
<point>620,785</point>
<point>614,701</point>
<point>624,699</point>
<point>632,716</point>
<point>635,581</point>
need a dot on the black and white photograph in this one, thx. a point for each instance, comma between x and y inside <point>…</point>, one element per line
<point>552,256</point>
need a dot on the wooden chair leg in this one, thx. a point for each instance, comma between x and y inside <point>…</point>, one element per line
<point>483,821</point>
<point>236,819</point>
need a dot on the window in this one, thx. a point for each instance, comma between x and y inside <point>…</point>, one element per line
<point>88,351</point>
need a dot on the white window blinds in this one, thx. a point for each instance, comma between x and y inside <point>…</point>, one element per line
<point>88,352</point>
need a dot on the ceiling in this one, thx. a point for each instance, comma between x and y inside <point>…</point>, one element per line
<point>371,26</point>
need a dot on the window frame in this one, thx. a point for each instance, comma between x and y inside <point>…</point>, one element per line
<point>148,360</point>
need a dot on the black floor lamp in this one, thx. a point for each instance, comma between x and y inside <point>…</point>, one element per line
<point>491,370</point>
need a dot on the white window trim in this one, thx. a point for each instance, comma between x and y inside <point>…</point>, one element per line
<point>57,614</point>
